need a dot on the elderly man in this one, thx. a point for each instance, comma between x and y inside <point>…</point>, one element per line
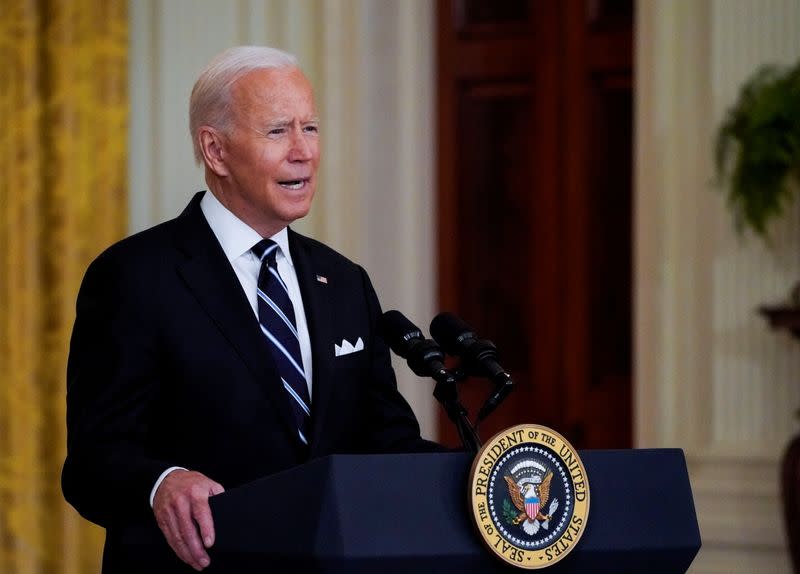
<point>222,346</point>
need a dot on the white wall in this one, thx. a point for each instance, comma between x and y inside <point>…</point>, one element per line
<point>711,377</point>
<point>371,62</point>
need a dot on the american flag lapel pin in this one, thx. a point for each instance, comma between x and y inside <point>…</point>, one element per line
<point>322,279</point>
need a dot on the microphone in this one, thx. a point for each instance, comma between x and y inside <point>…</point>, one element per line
<point>423,355</point>
<point>426,358</point>
<point>458,339</point>
<point>479,355</point>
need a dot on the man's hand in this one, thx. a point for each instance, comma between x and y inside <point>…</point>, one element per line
<point>181,507</point>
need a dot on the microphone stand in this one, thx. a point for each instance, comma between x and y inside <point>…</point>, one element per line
<point>503,386</point>
<point>446,392</point>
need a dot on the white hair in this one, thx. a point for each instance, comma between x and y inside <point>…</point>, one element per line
<point>209,104</point>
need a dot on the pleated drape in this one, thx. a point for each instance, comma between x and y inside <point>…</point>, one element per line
<point>63,138</point>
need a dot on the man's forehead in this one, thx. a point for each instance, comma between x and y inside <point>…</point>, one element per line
<point>268,95</point>
<point>273,82</point>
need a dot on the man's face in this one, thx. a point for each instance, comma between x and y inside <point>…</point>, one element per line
<point>271,152</point>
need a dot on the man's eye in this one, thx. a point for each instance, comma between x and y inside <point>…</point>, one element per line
<point>311,129</point>
<point>277,131</point>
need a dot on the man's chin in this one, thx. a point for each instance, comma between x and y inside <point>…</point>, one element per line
<point>296,212</point>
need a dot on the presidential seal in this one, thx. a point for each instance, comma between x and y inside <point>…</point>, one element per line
<point>529,496</point>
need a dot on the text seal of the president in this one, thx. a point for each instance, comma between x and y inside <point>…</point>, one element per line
<point>529,495</point>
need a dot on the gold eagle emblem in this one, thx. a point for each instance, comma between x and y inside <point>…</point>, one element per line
<point>518,498</point>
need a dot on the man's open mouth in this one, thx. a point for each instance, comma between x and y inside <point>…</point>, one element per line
<point>294,184</point>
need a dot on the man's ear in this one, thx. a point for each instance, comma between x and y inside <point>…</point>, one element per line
<point>212,146</point>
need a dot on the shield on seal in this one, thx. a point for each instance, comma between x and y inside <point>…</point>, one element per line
<point>532,502</point>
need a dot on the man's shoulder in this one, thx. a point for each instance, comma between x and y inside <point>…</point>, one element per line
<point>162,241</point>
<point>320,252</point>
<point>134,266</point>
<point>142,246</point>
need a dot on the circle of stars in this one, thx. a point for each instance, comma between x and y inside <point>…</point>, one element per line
<point>566,513</point>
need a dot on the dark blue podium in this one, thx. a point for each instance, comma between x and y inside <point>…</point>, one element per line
<point>409,513</point>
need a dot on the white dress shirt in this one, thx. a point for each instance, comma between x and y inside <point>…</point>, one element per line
<point>237,239</point>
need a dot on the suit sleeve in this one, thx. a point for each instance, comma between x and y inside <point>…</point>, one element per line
<point>112,380</point>
<point>392,424</point>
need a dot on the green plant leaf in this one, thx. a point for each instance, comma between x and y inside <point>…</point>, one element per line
<point>757,149</point>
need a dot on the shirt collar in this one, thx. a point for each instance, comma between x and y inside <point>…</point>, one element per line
<point>234,235</point>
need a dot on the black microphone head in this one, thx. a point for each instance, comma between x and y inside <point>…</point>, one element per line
<point>453,334</point>
<point>398,332</point>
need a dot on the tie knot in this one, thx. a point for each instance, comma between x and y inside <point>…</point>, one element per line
<point>266,249</point>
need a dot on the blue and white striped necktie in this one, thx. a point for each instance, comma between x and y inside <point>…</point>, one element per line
<point>276,316</point>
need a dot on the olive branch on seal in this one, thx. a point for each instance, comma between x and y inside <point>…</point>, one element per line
<point>509,512</point>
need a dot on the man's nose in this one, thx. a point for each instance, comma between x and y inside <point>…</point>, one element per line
<point>301,149</point>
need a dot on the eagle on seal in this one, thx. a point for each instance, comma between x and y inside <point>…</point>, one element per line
<point>528,500</point>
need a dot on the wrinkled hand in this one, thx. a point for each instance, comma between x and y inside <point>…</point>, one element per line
<point>181,507</point>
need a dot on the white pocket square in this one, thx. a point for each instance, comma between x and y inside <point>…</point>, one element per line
<point>346,347</point>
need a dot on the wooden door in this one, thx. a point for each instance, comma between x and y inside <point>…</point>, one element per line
<point>534,181</point>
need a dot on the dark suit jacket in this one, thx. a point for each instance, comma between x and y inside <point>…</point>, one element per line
<point>168,367</point>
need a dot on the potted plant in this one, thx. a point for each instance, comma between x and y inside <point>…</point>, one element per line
<point>758,148</point>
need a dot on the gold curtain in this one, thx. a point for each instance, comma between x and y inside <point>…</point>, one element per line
<point>63,136</point>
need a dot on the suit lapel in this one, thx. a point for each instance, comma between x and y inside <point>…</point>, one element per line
<point>317,303</point>
<point>211,279</point>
